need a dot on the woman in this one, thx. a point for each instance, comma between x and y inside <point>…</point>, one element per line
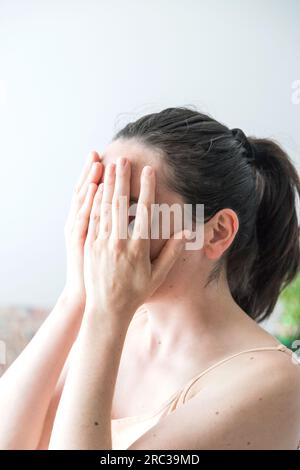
<point>168,352</point>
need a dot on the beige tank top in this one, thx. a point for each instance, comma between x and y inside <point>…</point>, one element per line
<point>127,430</point>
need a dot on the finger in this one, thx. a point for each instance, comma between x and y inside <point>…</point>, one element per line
<point>95,214</point>
<point>82,218</point>
<point>91,158</point>
<point>108,191</point>
<point>168,256</point>
<point>93,176</point>
<point>120,201</point>
<point>142,224</point>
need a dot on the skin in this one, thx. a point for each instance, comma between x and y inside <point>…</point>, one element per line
<point>37,369</point>
<point>241,405</point>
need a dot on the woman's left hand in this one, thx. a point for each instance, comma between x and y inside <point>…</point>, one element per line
<point>118,272</point>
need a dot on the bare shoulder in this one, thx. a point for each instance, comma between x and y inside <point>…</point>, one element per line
<point>277,370</point>
<point>265,388</point>
<point>251,402</point>
<point>268,380</point>
<point>259,396</point>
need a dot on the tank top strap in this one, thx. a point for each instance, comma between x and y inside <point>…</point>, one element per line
<point>181,396</point>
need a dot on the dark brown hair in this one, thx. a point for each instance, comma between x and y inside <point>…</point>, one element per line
<point>215,166</point>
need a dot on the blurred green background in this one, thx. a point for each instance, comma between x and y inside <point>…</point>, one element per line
<point>287,327</point>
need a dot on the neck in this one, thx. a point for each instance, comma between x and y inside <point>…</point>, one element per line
<point>184,313</point>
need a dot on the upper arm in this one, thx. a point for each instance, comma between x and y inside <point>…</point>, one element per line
<point>253,408</point>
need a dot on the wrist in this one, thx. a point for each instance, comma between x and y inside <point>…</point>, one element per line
<point>96,316</point>
<point>71,300</point>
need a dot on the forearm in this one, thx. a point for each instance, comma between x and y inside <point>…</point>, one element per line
<point>83,419</point>
<point>52,408</point>
<point>26,388</point>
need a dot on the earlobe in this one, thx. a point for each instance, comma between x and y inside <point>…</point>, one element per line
<point>212,251</point>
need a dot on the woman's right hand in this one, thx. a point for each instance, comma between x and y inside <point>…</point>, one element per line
<point>76,229</point>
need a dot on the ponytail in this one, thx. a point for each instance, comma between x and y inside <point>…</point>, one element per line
<point>272,257</point>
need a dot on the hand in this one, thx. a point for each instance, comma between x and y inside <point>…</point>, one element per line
<point>118,272</point>
<point>76,228</point>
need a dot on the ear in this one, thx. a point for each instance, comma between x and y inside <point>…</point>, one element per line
<point>219,233</point>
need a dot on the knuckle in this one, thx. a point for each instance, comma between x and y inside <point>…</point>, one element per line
<point>95,217</point>
<point>135,252</point>
<point>117,245</point>
<point>106,211</point>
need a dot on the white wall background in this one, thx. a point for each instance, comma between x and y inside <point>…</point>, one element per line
<point>72,72</point>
